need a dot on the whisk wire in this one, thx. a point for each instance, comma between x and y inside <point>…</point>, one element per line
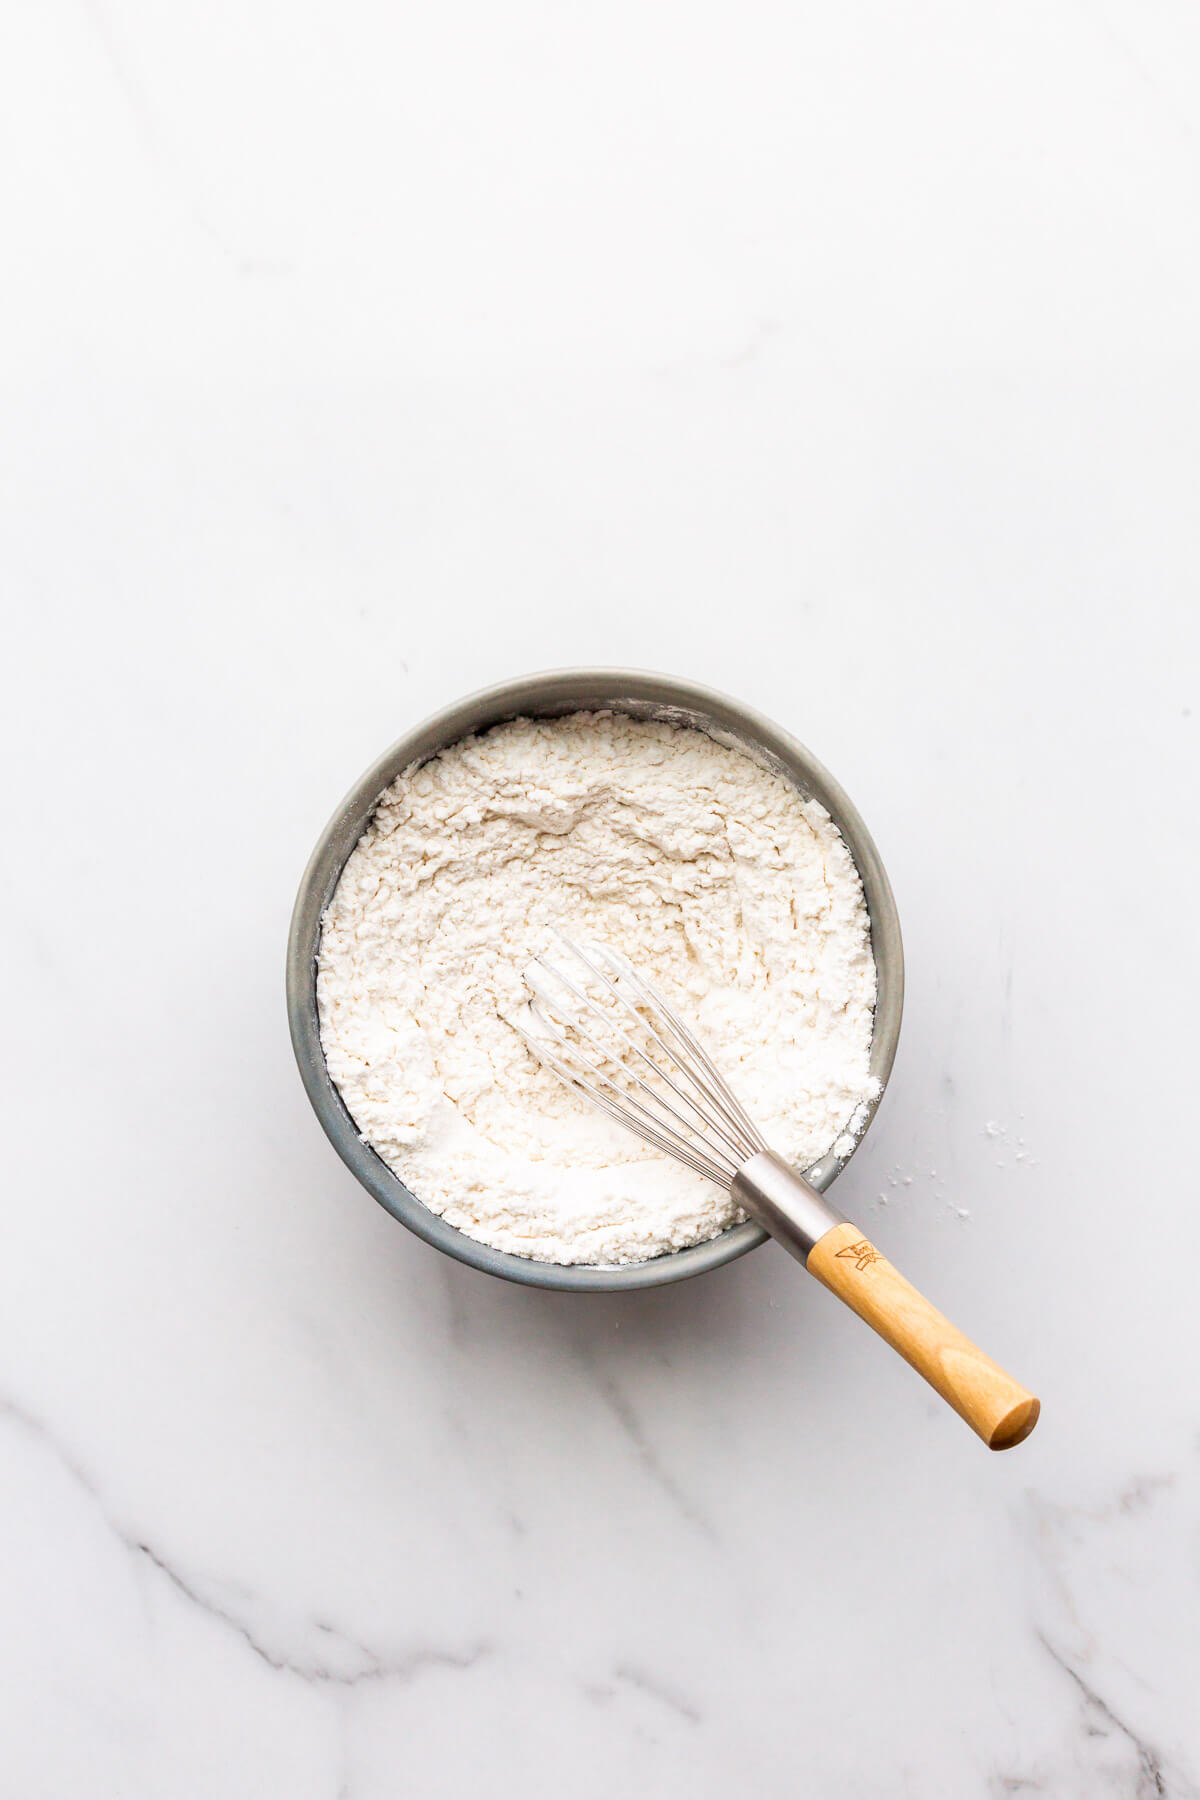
<point>719,1092</point>
<point>563,1067</point>
<point>670,1142</point>
<point>743,1134</point>
<point>713,1135</point>
<point>622,1035</point>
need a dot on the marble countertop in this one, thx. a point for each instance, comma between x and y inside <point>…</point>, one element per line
<point>844,358</point>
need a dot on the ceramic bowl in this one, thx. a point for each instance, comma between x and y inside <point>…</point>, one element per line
<point>643,696</point>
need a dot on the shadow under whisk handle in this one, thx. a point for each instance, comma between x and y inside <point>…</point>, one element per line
<point>995,1406</point>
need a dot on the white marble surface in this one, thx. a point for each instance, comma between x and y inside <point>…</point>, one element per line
<point>845,357</point>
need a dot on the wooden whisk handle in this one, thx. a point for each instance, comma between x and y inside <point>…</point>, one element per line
<point>836,1252</point>
<point>992,1403</point>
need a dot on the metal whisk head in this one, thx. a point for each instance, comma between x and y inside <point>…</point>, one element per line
<point>607,1034</point>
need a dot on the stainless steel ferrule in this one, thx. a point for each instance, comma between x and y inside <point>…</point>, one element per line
<point>783,1203</point>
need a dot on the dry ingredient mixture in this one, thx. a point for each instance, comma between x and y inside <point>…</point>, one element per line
<point>730,893</point>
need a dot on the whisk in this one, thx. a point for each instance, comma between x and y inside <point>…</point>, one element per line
<point>612,1037</point>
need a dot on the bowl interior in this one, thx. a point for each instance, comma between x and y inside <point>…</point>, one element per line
<point>551,695</point>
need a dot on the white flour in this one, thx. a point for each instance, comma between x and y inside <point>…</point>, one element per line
<point>732,895</point>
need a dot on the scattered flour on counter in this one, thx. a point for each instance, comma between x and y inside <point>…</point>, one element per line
<point>727,890</point>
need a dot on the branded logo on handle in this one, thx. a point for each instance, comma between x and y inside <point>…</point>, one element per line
<point>864,1254</point>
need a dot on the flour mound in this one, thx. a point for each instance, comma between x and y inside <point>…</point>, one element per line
<point>729,892</point>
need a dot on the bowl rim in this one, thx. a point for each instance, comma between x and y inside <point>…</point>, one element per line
<point>549,693</point>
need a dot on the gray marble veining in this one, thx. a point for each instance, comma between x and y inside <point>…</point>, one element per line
<point>843,358</point>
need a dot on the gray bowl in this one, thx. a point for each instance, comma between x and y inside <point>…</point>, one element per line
<point>558,691</point>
